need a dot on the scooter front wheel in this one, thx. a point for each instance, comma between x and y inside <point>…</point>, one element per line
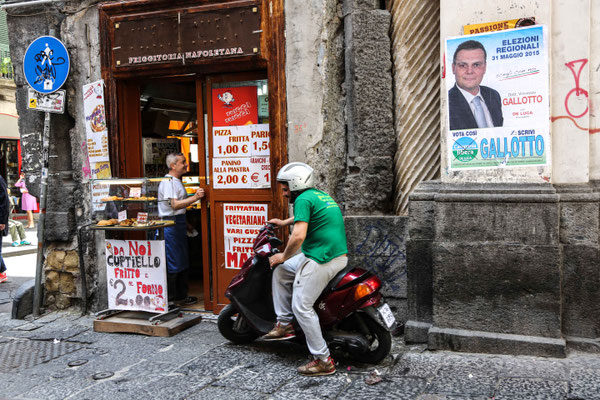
<point>233,326</point>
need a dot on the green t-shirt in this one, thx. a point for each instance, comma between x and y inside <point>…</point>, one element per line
<point>326,235</point>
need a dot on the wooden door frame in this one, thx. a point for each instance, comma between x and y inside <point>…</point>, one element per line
<point>271,58</point>
<point>233,195</point>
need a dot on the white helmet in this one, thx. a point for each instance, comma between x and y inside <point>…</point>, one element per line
<point>297,175</point>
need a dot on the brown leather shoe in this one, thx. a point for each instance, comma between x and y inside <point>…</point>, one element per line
<point>281,332</point>
<point>318,367</point>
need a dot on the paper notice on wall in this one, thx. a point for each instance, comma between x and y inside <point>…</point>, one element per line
<point>241,173</point>
<point>498,25</point>
<point>136,275</point>
<point>95,122</point>
<point>51,102</point>
<point>241,157</point>
<point>98,193</point>
<point>508,74</point>
<point>234,106</point>
<point>241,141</point>
<point>241,225</point>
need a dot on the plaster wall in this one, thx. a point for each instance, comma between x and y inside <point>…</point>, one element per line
<point>594,91</point>
<point>7,97</point>
<point>569,64</point>
<point>454,15</point>
<point>315,96</point>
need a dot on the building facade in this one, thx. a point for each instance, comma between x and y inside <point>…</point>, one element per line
<point>506,259</point>
<point>321,70</point>
<point>498,259</point>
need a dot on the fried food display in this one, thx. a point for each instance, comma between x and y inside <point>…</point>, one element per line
<point>112,198</point>
<point>127,222</point>
<point>141,198</point>
<point>107,222</point>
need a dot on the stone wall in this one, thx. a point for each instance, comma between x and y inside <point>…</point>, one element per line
<point>416,95</point>
<point>369,175</point>
<point>340,102</point>
<point>378,244</point>
<point>504,268</point>
<point>67,206</point>
<point>62,282</point>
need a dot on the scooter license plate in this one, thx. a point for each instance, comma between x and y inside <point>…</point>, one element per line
<point>387,315</point>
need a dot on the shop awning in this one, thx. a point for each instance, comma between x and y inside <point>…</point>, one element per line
<point>9,128</point>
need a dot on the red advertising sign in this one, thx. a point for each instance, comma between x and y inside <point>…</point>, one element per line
<point>241,222</point>
<point>235,106</point>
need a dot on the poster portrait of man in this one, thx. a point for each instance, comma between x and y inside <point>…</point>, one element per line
<point>470,104</point>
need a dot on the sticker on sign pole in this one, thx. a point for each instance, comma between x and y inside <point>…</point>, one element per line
<point>46,64</point>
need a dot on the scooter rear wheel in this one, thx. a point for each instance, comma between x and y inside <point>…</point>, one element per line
<point>234,327</point>
<point>380,340</point>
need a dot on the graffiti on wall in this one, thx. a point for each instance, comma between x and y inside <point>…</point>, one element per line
<point>384,253</point>
<point>86,169</point>
<point>576,93</point>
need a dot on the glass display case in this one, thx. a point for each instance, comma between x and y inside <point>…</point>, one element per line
<point>127,203</point>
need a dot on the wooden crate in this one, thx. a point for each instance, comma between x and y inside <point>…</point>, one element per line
<point>137,322</point>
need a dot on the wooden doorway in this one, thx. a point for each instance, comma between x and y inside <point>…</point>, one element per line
<point>222,124</point>
<point>205,59</point>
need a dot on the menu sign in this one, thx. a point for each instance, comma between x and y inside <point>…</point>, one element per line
<point>241,157</point>
<point>96,129</point>
<point>240,173</point>
<point>241,225</point>
<point>136,275</point>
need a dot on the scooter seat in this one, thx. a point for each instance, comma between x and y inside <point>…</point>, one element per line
<point>337,278</point>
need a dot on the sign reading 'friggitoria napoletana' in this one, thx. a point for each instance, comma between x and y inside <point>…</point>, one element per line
<point>186,37</point>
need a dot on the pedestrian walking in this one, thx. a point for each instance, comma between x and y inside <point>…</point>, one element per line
<point>4,210</point>
<point>28,202</point>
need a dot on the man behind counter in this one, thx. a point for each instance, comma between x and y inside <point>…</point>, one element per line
<point>176,243</point>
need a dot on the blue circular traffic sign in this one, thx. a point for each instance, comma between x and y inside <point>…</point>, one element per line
<point>46,64</point>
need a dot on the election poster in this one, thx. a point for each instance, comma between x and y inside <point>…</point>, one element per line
<point>136,275</point>
<point>234,106</point>
<point>498,99</point>
<point>241,157</point>
<point>241,225</point>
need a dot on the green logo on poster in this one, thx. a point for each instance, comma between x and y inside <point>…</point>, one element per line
<point>464,149</point>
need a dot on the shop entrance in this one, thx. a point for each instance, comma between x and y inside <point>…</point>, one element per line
<point>206,78</point>
<point>221,124</point>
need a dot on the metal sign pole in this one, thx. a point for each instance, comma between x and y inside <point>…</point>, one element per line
<point>37,290</point>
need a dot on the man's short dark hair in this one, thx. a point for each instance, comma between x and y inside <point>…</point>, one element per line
<point>469,45</point>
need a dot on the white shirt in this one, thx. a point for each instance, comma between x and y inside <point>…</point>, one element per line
<point>469,97</point>
<point>172,189</point>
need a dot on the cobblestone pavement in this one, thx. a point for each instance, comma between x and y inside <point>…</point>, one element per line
<point>59,356</point>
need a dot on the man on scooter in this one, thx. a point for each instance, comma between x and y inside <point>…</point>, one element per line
<point>320,233</point>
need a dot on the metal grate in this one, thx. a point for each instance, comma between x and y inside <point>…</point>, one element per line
<point>21,354</point>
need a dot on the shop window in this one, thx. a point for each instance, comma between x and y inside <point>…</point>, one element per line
<point>169,124</point>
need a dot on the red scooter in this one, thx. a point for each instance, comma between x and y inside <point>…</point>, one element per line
<point>353,314</point>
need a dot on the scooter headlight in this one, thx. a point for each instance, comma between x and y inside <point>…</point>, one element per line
<point>362,290</point>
